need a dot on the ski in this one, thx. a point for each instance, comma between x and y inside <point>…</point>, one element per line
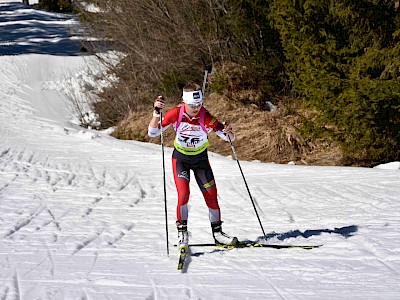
<point>255,245</point>
<point>183,250</point>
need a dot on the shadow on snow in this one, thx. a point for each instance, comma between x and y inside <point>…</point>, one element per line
<point>346,231</point>
<point>24,30</point>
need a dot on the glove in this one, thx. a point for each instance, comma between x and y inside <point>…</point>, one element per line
<point>159,104</point>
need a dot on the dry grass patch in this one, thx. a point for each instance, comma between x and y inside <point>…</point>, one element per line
<point>260,135</point>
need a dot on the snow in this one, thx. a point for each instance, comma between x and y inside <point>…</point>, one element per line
<point>395,165</point>
<point>82,214</point>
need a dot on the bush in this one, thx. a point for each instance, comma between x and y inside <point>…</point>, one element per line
<point>236,82</point>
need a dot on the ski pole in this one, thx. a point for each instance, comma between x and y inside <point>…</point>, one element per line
<point>244,179</point>
<point>204,81</point>
<point>207,70</point>
<point>165,186</point>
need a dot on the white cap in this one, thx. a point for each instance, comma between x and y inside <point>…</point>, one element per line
<point>195,97</point>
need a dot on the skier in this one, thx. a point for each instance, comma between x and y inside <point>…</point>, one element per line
<point>192,122</point>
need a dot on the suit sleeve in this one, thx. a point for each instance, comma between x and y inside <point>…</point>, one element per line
<point>212,122</point>
<point>169,118</point>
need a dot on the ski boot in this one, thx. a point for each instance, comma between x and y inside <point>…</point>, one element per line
<point>183,235</point>
<point>183,242</point>
<point>220,237</point>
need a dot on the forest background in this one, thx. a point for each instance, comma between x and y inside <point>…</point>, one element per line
<point>312,82</point>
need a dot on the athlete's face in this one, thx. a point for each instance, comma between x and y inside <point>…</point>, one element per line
<point>192,110</point>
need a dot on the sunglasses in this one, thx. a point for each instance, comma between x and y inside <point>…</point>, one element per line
<point>194,105</point>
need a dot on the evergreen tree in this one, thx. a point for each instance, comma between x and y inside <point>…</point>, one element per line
<point>253,42</point>
<point>51,5</point>
<point>343,57</point>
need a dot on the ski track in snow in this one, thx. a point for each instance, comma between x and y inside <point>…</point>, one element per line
<point>82,214</point>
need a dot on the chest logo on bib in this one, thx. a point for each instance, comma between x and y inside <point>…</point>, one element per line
<point>190,135</point>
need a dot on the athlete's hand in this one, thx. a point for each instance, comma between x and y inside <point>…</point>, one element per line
<point>159,103</point>
<point>227,129</point>
<point>229,132</point>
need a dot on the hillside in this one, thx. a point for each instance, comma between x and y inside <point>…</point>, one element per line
<point>266,136</point>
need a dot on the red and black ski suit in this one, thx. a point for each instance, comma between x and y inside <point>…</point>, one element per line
<point>190,153</point>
